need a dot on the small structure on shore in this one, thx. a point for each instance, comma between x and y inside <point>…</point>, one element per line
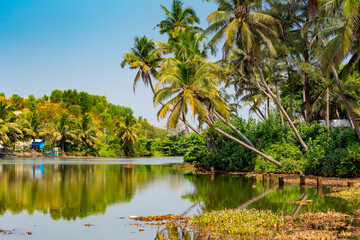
<point>344,123</point>
<point>38,145</point>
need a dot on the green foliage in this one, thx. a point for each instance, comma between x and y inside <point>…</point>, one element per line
<point>56,96</point>
<point>332,152</point>
<point>17,101</point>
<point>289,155</point>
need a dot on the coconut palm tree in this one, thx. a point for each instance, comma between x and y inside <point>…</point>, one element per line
<point>33,127</point>
<point>191,87</point>
<point>10,131</point>
<point>146,58</point>
<point>64,132</point>
<point>127,131</point>
<point>189,44</point>
<point>86,132</point>
<point>178,20</point>
<point>249,31</point>
<point>343,40</point>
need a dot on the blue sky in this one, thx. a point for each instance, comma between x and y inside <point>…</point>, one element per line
<point>78,44</point>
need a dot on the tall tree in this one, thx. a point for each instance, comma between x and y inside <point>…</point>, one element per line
<point>190,86</point>
<point>250,31</point>
<point>178,20</point>
<point>146,58</point>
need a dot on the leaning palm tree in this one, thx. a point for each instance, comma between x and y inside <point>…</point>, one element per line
<point>339,40</point>
<point>191,87</point>
<point>146,58</point>
<point>250,31</point>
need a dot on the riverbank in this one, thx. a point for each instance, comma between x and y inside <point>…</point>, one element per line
<point>289,178</point>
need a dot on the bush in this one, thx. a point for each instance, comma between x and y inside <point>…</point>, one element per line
<point>289,155</point>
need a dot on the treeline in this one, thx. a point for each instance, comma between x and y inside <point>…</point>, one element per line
<point>79,123</point>
<point>298,60</point>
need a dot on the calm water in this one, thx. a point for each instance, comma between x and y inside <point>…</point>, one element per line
<point>55,199</point>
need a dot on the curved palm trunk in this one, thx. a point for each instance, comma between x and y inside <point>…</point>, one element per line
<point>233,128</point>
<point>343,98</point>
<point>244,144</point>
<point>278,96</point>
<point>328,107</point>
<point>346,103</point>
<point>183,120</point>
<point>276,100</point>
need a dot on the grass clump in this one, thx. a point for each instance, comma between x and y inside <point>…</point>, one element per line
<point>241,222</point>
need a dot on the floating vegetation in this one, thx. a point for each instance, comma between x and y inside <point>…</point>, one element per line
<point>15,232</point>
<point>264,224</point>
<point>89,225</point>
<point>350,194</point>
<point>246,223</point>
<point>162,220</point>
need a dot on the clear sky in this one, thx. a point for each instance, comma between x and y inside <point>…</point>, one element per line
<point>79,44</point>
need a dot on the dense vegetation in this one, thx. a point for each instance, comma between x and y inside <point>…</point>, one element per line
<point>82,124</point>
<point>298,60</point>
<point>332,152</point>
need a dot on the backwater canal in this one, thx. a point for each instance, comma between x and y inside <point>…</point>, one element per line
<point>63,199</point>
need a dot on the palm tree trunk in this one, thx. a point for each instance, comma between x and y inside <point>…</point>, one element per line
<point>244,144</point>
<point>186,127</point>
<point>278,96</point>
<point>183,120</point>
<point>343,98</point>
<point>280,106</point>
<point>328,107</point>
<point>233,128</point>
<point>346,103</point>
<point>306,85</point>
<point>291,101</point>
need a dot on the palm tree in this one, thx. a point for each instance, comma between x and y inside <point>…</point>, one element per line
<point>248,31</point>
<point>178,19</point>
<point>190,86</point>
<point>127,131</point>
<point>10,131</point>
<point>86,131</point>
<point>146,58</point>
<point>189,44</point>
<point>33,127</point>
<point>344,40</point>
<point>64,133</point>
<point>240,27</point>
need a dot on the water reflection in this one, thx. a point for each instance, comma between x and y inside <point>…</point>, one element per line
<point>78,191</point>
<point>226,192</point>
<point>71,191</point>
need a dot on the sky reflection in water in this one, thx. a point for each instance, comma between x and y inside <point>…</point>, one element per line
<point>56,198</point>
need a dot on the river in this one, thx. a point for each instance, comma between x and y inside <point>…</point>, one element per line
<point>93,198</point>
